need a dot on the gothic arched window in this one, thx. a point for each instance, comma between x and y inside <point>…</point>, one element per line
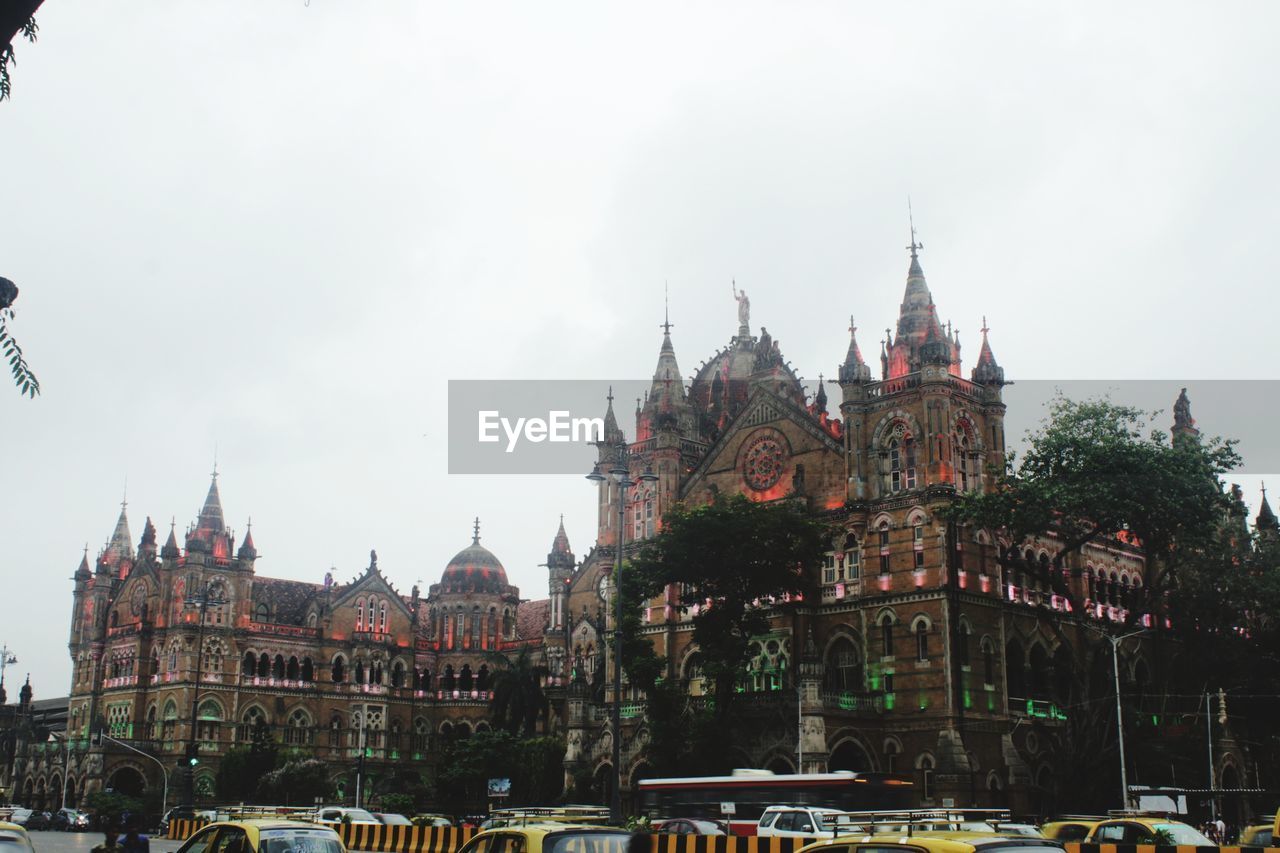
<point>886,635</point>
<point>297,730</point>
<point>339,671</point>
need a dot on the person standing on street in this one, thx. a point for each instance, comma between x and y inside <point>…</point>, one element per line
<point>108,845</point>
<point>134,840</point>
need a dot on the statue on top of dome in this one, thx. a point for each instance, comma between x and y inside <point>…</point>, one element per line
<point>744,305</point>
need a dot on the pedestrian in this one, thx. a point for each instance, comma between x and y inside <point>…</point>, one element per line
<point>109,837</point>
<point>134,840</point>
<point>1222,829</point>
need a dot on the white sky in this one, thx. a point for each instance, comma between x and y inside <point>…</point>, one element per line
<point>279,230</point>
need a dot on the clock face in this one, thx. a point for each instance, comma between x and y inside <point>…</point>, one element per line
<point>602,587</point>
<point>763,462</point>
<point>139,600</point>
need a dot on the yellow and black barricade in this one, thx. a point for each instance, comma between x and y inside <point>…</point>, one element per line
<point>402,839</point>
<point>182,829</point>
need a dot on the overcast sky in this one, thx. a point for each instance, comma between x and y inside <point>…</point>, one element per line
<point>278,230</point>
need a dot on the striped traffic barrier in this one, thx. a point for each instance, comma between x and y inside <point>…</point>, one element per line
<point>181,829</point>
<point>372,838</point>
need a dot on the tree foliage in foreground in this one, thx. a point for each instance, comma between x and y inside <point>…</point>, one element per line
<point>1095,472</point>
<point>23,377</point>
<point>731,562</point>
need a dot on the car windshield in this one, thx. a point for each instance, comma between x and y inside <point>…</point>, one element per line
<point>395,820</point>
<point>586,841</point>
<point>300,841</point>
<point>1183,834</point>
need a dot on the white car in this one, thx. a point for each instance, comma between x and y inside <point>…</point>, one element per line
<point>795,822</point>
<point>343,814</point>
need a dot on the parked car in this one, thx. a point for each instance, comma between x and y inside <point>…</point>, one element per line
<point>1258,835</point>
<point>550,838</point>
<point>70,820</point>
<point>431,820</point>
<point>264,836</point>
<point>392,819</point>
<point>343,814</point>
<point>1146,830</point>
<point>958,842</point>
<point>691,826</point>
<point>1026,830</point>
<point>19,815</point>
<point>1070,828</point>
<point>794,822</point>
<point>38,821</point>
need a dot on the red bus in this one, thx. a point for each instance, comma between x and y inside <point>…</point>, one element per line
<point>752,791</point>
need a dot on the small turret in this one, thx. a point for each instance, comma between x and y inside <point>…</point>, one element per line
<point>24,695</point>
<point>820,399</point>
<point>170,550</point>
<point>83,573</point>
<point>147,546</point>
<point>1266,522</point>
<point>247,551</point>
<point>854,368</point>
<point>987,371</point>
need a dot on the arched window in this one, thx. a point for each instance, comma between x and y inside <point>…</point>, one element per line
<point>397,674</point>
<point>988,662</point>
<point>902,463</point>
<point>297,730</point>
<point>447,681</point>
<point>173,657</point>
<point>277,667</point>
<point>922,639</point>
<point>291,670</point>
<point>151,723</point>
<point>892,749</point>
<point>249,665</point>
<point>843,671</point>
<point>335,729</point>
<point>458,628</point>
<point>209,724</point>
<point>482,678</point>
<point>359,671</point>
<point>262,613</point>
<point>264,665</point>
<point>883,532</point>
<point>252,721</point>
<point>886,635</point>
<point>421,735</point>
<point>925,767</point>
<point>393,734</point>
<point>339,669</point>
<point>382,617</point>
<point>464,678</point>
<point>477,626</point>
<point>169,721</point>
<point>307,672</point>
<point>960,452</point>
<point>360,614</point>
<point>852,558</point>
<point>1015,668</point>
<point>375,672</point>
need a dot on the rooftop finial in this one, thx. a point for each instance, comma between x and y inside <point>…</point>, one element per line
<point>475,537</point>
<point>608,397</point>
<point>984,326</point>
<point>666,309</point>
<point>914,247</point>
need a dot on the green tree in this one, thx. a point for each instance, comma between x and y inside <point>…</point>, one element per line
<point>394,803</point>
<point>1096,473</point>
<point>296,782</point>
<point>518,700</point>
<point>109,806</point>
<point>735,560</point>
<point>535,767</point>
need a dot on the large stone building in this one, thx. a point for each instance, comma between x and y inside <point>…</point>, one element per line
<point>919,657</point>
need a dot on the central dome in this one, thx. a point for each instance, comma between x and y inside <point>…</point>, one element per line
<point>474,568</point>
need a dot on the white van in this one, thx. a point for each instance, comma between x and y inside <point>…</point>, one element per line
<point>795,822</point>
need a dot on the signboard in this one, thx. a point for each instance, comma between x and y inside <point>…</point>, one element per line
<point>499,788</point>
<point>728,809</point>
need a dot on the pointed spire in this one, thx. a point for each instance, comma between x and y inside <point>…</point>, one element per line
<point>561,557</point>
<point>987,371</point>
<point>83,571</point>
<point>170,550</point>
<point>914,247</point>
<point>560,544</point>
<point>612,435</point>
<point>211,520</point>
<point>121,544</point>
<point>247,550</point>
<point>1266,521</point>
<point>148,543</point>
<point>820,399</point>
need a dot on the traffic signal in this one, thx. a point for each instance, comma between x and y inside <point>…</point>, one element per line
<point>1222,707</point>
<point>193,754</point>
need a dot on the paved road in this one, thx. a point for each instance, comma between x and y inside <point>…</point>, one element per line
<point>83,842</point>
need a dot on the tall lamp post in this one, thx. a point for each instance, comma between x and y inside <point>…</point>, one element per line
<point>1115,669</point>
<point>621,474</point>
<point>201,600</point>
<point>6,658</point>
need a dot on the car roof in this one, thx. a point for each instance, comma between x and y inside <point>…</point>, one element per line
<point>4,824</point>
<point>545,827</point>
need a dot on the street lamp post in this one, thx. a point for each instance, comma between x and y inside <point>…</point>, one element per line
<point>1115,668</point>
<point>201,600</point>
<point>622,476</point>
<point>6,658</point>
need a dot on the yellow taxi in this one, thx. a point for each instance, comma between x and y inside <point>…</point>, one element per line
<point>1145,829</point>
<point>264,835</point>
<point>1070,828</point>
<point>551,837</point>
<point>1258,835</point>
<point>14,838</point>
<point>954,842</point>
